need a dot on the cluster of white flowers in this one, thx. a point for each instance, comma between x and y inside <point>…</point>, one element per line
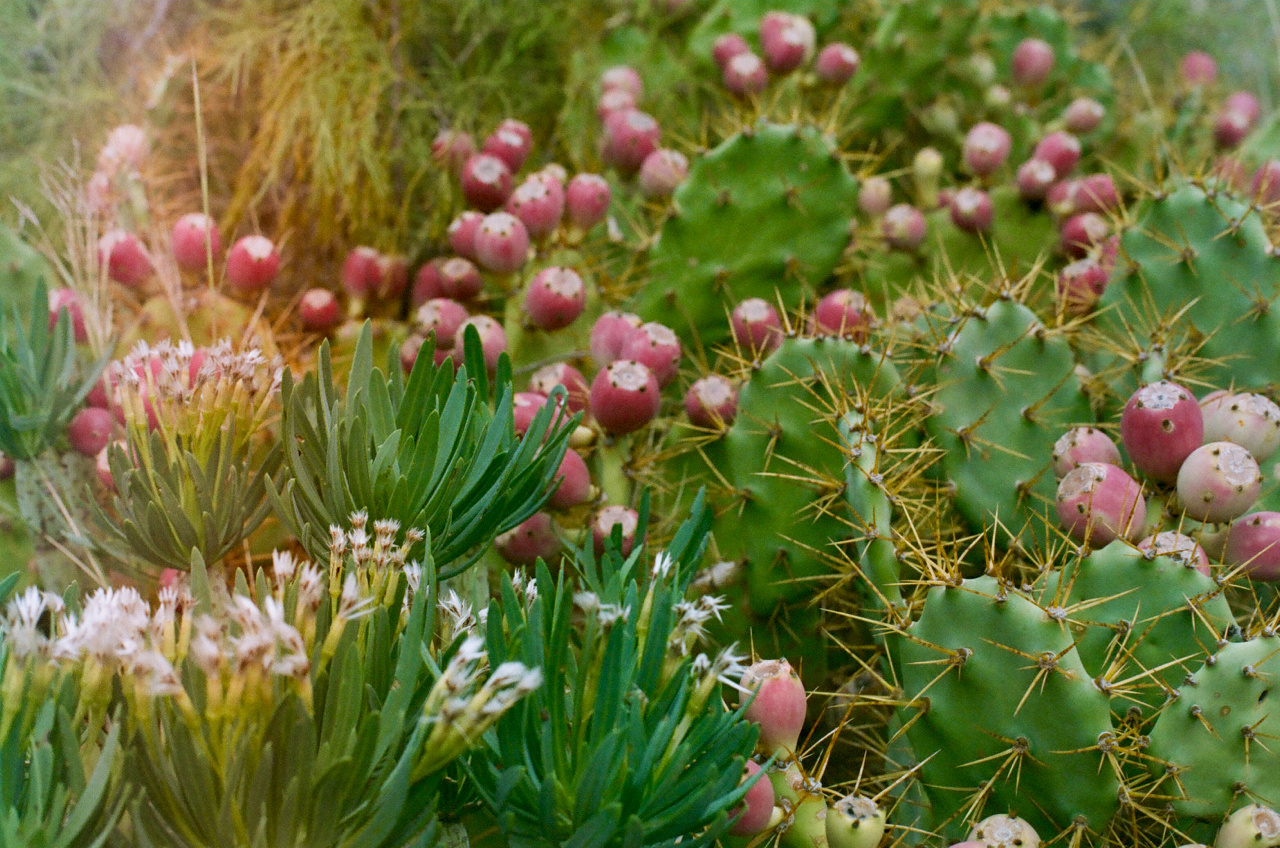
<point>693,616</point>
<point>458,698</point>
<point>608,614</point>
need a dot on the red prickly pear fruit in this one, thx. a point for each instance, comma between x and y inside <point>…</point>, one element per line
<point>1081,232</point>
<point>712,402</point>
<point>102,467</point>
<point>904,227</point>
<point>524,406</point>
<point>361,274</point>
<point>1250,420</point>
<point>462,233</point>
<point>610,333</point>
<point>252,263</point>
<point>662,173</point>
<point>546,378</point>
<point>319,310</point>
<point>502,244</point>
<point>614,100</point>
<point>587,200</point>
<point>727,46</point>
<point>1005,832</point>
<point>442,318</point>
<point>1246,104</point>
<point>623,517</point>
<point>554,172</point>
<point>124,256</point>
<point>656,347</point>
<point>1083,444</point>
<point>510,142</point>
<point>90,430</point>
<point>493,340</point>
<point>459,279</point>
<point>1033,61</point>
<point>574,480</point>
<point>64,298</point>
<point>99,396</point>
<point>624,397</point>
<point>555,298</point>
<point>786,40</point>
<point>452,148</point>
<point>1266,183</point>
<point>1080,284</point>
<point>1035,178</point>
<point>1160,426</point>
<point>986,148</point>
<point>1099,503</point>
<point>409,350</point>
<point>486,182</point>
<point>745,74</point>
<point>1097,193</point>
<point>1230,128</point>
<point>756,325</point>
<point>1181,549</point>
<point>837,63</point>
<point>843,312</point>
<point>945,196</point>
<point>1254,542</point>
<point>1061,150</point>
<point>1198,69</point>
<point>1231,172</point>
<point>426,283</point>
<point>194,238</point>
<point>1218,481</point>
<point>1084,115</point>
<point>755,811</point>
<point>972,210</point>
<point>393,275</point>
<point>629,137</point>
<point>533,539</point>
<point>622,78</point>
<point>875,196</point>
<point>7,467</point>
<point>778,705</point>
<point>539,204</point>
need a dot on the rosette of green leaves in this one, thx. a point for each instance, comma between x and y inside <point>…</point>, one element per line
<point>434,453</point>
<point>627,743</point>
<point>60,777</point>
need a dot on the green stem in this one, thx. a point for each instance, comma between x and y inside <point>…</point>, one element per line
<point>612,474</point>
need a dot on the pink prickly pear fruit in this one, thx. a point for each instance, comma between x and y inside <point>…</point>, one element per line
<point>1160,426</point>
<point>1266,183</point>
<point>1035,177</point>
<point>533,539</point>
<point>624,397</point>
<point>756,325</point>
<point>102,467</point>
<point>727,46</point>
<point>837,63</point>
<point>442,318</point>
<point>124,256</point>
<point>629,138</point>
<point>623,517</point>
<point>319,310</point>
<point>1230,128</point>
<point>502,243</point>
<point>555,298</point>
<point>609,335</point>
<point>777,705</point>
<point>1083,444</point>
<point>553,172</point>
<point>452,148</point>
<point>1097,193</point>
<point>100,395</point>
<point>753,814</point>
<point>1061,150</point>
<point>462,233</point>
<point>65,298</point>
<point>524,406</point>
<point>614,100</point>
<point>493,340</point>
<point>662,173</point>
<point>539,204</point>
<point>904,227</point>
<point>1080,284</point>
<point>711,402</point>
<point>393,275</point>
<point>986,148</point>
<point>1081,232</point>
<point>1033,61</point>
<point>574,480</point>
<point>252,263</point>
<point>786,40</point>
<point>410,348</point>
<point>1250,420</point>
<point>843,312</point>
<point>361,274</point>
<point>587,200</point>
<point>426,283</point>
<point>1246,104</point>
<point>1005,832</point>
<point>1254,826</point>
<point>656,347</point>
<point>511,142</point>
<point>1232,173</point>
<point>745,74</point>
<point>1181,549</point>
<point>486,182</point>
<point>1198,69</point>
<point>875,196</point>
<point>1218,481</point>
<point>194,238</point>
<point>458,279</point>
<point>7,467</point>
<point>972,210</point>
<point>1254,542</point>
<point>546,378</point>
<point>90,430</point>
<point>1098,503</point>
<point>1084,115</point>
<point>622,78</point>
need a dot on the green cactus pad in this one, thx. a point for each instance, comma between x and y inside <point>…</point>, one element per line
<point>21,268</point>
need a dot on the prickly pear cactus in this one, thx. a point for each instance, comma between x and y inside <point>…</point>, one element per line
<point>743,17</point>
<point>21,268</point>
